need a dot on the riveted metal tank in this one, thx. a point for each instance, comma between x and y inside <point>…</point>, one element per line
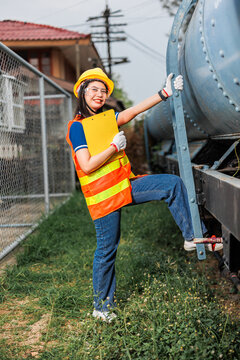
<point>209,60</point>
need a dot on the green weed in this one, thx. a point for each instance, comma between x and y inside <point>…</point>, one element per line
<point>166,308</point>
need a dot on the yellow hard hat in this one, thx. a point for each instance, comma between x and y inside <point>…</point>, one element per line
<point>95,73</point>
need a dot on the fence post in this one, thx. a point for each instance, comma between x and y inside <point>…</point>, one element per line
<point>69,100</point>
<point>44,144</point>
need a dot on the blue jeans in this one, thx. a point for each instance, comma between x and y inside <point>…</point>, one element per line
<point>169,188</point>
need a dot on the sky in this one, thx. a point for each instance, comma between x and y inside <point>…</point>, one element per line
<point>147,29</point>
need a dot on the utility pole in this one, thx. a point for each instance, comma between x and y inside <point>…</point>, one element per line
<point>106,36</point>
<point>107,15</point>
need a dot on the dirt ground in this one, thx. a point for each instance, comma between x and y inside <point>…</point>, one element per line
<point>223,288</point>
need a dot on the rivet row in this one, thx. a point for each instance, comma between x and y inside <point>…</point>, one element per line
<point>207,59</point>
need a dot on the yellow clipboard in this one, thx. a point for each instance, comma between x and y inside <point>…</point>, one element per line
<point>99,131</point>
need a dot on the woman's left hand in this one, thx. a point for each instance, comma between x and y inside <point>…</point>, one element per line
<point>178,85</point>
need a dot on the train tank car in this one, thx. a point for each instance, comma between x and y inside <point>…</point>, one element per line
<point>209,60</point>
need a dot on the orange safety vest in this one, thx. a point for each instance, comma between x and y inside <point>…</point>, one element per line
<point>108,188</point>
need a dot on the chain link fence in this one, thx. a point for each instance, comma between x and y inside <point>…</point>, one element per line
<point>36,171</point>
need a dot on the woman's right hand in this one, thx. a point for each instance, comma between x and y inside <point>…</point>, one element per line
<point>90,163</point>
<point>119,141</point>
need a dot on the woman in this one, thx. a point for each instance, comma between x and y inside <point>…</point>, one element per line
<point>109,185</point>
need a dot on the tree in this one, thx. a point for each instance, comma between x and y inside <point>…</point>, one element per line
<point>171,6</point>
<point>119,93</point>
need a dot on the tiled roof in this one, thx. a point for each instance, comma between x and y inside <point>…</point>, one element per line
<point>11,30</point>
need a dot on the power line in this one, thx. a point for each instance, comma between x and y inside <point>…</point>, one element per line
<point>143,51</point>
<point>140,18</point>
<point>145,46</point>
<point>74,25</point>
<point>153,57</point>
<point>138,5</point>
<point>101,37</point>
<point>140,21</point>
<point>130,21</point>
<point>66,8</point>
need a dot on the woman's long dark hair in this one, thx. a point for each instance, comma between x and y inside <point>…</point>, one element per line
<point>82,106</point>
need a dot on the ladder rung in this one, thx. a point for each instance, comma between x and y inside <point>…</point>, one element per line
<point>211,240</point>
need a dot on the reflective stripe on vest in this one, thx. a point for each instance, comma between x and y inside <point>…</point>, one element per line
<point>93,200</point>
<point>104,170</point>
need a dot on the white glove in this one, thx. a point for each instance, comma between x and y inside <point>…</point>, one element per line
<point>178,85</point>
<point>119,141</point>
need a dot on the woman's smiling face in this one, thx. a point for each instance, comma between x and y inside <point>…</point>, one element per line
<point>96,94</point>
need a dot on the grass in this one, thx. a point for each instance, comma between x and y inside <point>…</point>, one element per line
<point>166,306</point>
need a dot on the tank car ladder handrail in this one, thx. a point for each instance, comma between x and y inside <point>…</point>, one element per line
<point>179,128</point>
